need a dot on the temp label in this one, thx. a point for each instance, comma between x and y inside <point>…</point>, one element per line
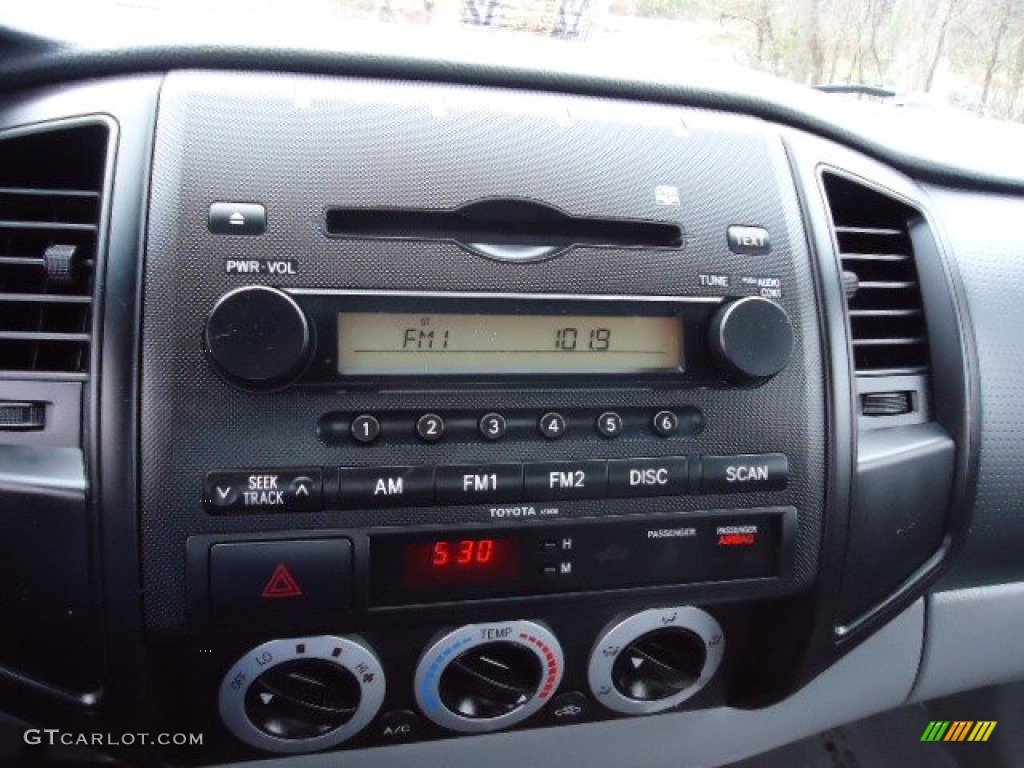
<point>261,266</point>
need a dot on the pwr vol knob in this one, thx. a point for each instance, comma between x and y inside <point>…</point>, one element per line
<point>303,694</point>
<point>258,337</point>
<point>484,677</point>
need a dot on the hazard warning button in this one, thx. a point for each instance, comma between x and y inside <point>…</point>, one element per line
<point>281,577</point>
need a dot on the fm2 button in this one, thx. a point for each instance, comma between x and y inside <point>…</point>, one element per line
<point>290,490</point>
<point>566,480</point>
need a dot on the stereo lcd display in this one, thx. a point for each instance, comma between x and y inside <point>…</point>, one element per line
<point>406,344</point>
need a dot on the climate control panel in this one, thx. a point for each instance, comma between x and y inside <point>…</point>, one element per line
<point>307,694</point>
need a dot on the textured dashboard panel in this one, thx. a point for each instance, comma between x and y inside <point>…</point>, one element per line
<point>302,144</point>
<point>989,256</point>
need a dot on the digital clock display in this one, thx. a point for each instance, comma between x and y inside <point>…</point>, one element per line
<point>391,343</point>
<point>461,561</point>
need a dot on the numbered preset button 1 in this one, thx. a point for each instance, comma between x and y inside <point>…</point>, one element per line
<point>365,428</point>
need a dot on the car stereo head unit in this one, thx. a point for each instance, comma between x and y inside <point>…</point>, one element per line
<point>262,337</point>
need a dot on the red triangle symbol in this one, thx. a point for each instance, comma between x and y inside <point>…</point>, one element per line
<point>282,584</point>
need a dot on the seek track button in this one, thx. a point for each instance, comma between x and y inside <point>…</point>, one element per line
<point>284,490</point>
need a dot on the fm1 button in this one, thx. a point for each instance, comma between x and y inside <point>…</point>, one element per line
<point>666,476</point>
<point>365,428</point>
<point>386,486</point>
<point>291,490</point>
<point>565,480</point>
<point>399,725</point>
<point>748,473</point>
<point>477,483</point>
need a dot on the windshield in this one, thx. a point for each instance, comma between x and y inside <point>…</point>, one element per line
<point>918,54</point>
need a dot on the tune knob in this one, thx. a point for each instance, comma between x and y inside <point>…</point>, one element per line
<point>656,659</point>
<point>301,695</point>
<point>751,338</point>
<point>483,677</point>
<point>258,337</point>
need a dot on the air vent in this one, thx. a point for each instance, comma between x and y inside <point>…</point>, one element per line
<point>887,323</point>
<point>51,190</point>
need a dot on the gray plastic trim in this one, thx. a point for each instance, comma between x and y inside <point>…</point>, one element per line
<point>875,676</point>
<point>973,640</point>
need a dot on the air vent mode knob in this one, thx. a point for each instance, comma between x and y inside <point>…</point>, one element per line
<point>484,677</point>
<point>302,695</point>
<point>655,660</point>
<point>751,338</point>
<point>258,337</point>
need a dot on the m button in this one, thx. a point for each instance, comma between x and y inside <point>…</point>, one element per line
<point>666,476</point>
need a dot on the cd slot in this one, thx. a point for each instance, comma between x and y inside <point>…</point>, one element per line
<point>497,225</point>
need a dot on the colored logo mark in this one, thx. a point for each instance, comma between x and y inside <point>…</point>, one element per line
<point>958,730</point>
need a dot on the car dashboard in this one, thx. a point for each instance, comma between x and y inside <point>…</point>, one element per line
<point>379,409</point>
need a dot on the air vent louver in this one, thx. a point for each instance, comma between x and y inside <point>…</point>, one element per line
<point>887,323</point>
<point>51,189</point>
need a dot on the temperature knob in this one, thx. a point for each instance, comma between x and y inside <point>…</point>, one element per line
<point>301,695</point>
<point>656,659</point>
<point>483,677</point>
<point>751,338</point>
<point>258,337</point>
